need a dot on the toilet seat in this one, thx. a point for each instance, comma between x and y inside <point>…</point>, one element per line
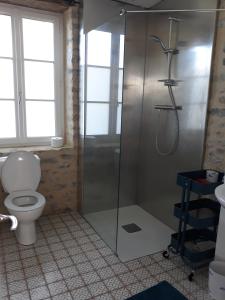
<point>37,201</point>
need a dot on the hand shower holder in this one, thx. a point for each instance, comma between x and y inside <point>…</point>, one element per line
<point>171,51</point>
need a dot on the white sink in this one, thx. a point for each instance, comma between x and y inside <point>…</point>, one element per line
<point>220,194</point>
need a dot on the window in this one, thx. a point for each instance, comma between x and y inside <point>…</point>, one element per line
<point>120,85</point>
<point>31,76</point>
<point>104,77</point>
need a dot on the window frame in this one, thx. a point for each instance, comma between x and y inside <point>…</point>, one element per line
<point>17,13</point>
<point>114,101</point>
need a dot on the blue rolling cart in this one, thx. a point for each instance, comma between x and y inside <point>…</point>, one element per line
<point>198,220</point>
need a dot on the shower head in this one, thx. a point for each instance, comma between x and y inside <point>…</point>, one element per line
<point>158,40</point>
<point>165,49</point>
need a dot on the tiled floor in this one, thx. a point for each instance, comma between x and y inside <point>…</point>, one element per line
<point>70,261</point>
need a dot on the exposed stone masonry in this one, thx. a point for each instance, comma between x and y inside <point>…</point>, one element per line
<point>215,137</point>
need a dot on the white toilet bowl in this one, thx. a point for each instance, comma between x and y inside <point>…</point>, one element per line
<point>20,175</point>
<point>27,207</point>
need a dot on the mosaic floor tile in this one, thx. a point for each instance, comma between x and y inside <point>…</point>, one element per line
<point>155,269</point>
<point>39,293</point>
<point>74,282</point>
<point>81,294</point>
<point>121,294</point>
<point>20,296</point>
<point>136,288</point>
<point>57,288</point>
<point>69,271</point>
<point>91,277</point>
<point>113,283</point>
<point>15,275</point>
<point>106,296</point>
<point>79,258</point>
<point>17,286</point>
<point>69,261</point>
<point>142,273</point>
<point>97,288</point>
<point>105,273</point>
<point>64,296</point>
<point>53,276</point>
<point>35,281</point>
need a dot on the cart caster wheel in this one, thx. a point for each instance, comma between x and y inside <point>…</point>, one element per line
<point>166,254</point>
<point>191,276</point>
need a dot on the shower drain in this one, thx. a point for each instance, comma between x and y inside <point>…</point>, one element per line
<point>131,228</point>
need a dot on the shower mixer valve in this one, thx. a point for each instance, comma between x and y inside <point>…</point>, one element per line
<point>170,82</point>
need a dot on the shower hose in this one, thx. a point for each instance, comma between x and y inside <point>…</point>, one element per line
<point>174,110</point>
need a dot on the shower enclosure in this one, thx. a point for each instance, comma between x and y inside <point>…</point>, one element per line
<point>146,82</point>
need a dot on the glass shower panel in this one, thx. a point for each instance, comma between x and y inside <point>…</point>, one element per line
<point>102,114</point>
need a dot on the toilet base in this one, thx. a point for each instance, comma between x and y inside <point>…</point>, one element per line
<point>217,280</point>
<point>26,233</point>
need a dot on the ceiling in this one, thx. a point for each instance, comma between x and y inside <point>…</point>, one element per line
<point>143,3</point>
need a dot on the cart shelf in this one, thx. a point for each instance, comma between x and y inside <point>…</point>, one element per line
<point>199,245</point>
<point>193,180</point>
<point>202,213</point>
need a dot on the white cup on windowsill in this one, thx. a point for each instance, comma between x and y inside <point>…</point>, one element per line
<point>56,142</point>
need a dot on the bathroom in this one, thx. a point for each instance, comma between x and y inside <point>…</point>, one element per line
<point>106,188</point>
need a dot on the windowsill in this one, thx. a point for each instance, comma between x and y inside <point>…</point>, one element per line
<point>33,148</point>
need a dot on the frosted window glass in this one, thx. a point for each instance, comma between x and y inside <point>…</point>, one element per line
<point>40,116</point>
<point>38,40</point>
<point>97,122</point>
<point>99,48</point>
<point>82,48</point>
<point>7,119</point>
<point>118,121</point>
<point>121,59</point>
<point>98,84</point>
<point>120,86</point>
<point>5,36</point>
<point>6,79</point>
<point>39,80</point>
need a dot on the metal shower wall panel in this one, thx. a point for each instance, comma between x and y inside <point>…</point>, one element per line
<point>157,191</point>
<point>134,69</point>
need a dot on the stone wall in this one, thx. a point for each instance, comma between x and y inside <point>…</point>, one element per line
<point>60,172</point>
<point>215,135</point>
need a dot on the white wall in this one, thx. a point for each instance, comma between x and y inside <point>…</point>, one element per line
<point>98,12</point>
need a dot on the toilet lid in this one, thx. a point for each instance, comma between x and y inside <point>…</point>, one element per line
<point>21,171</point>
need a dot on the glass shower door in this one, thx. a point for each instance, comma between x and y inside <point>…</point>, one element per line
<point>102,103</point>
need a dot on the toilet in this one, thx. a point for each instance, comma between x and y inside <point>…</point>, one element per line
<point>20,175</point>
